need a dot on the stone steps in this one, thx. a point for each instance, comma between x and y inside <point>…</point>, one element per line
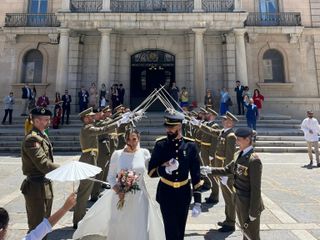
<point>276,133</point>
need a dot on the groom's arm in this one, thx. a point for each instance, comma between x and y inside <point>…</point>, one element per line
<point>155,168</point>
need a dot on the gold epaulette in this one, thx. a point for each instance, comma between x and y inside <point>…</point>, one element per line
<point>190,139</point>
<point>255,156</point>
<point>161,138</point>
<point>34,133</point>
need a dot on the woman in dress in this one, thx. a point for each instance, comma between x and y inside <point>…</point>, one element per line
<point>139,218</point>
<point>258,98</point>
<point>93,96</point>
<point>184,99</point>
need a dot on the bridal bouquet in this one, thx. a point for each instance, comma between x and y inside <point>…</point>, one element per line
<point>128,182</point>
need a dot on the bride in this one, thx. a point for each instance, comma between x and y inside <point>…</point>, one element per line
<point>139,218</point>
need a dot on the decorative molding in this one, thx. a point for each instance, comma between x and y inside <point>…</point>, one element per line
<point>252,37</point>
<point>11,37</point>
<point>294,38</point>
<point>275,86</point>
<point>53,37</point>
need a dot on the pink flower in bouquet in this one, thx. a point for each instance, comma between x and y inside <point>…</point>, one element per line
<point>128,182</point>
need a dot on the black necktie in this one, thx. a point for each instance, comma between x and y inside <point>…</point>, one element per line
<point>240,154</point>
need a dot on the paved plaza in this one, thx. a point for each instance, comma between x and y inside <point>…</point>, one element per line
<point>291,194</point>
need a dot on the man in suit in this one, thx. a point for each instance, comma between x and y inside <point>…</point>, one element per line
<point>121,92</point>
<point>43,101</point>
<point>37,161</point>
<point>83,96</point>
<point>26,97</point>
<point>8,107</point>
<point>239,90</point>
<point>175,157</point>
<point>252,113</point>
<point>66,98</point>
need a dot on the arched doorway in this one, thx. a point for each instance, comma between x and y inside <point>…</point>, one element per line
<point>149,70</point>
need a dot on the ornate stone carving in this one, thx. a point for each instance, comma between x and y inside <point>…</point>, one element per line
<point>252,37</point>
<point>11,37</point>
<point>294,37</point>
<point>53,37</point>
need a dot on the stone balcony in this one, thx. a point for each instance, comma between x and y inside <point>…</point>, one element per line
<point>274,19</point>
<point>31,20</point>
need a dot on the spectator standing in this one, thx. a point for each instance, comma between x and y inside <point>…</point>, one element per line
<point>208,99</point>
<point>251,113</point>
<point>246,92</point>
<point>8,107</point>
<point>121,92</point>
<point>174,93</point>
<point>184,99</point>
<point>224,97</point>
<point>114,96</point>
<point>102,103</point>
<point>43,101</point>
<point>57,111</point>
<point>32,102</point>
<point>26,97</point>
<point>258,98</point>
<point>66,98</point>
<point>103,91</point>
<point>83,96</point>
<point>93,94</point>
<point>311,130</point>
<point>239,91</point>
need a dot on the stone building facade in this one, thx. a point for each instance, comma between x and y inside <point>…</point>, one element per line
<point>271,45</point>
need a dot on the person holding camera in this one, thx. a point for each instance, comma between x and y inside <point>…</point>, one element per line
<point>8,107</point>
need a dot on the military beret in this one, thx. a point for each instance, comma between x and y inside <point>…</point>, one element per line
<point>230,116</point>
<point>88,111</point>
<point>203,110</point>
<point>211,111</point>
<point>39,111</point>
<point>245,132</point>
<point>173,118</point>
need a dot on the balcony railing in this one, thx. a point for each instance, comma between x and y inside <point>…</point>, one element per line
<point>274,19</point>
<point>31,20</point>
<point>85,5</point>
<point>218,5</point>
<point>151,6</point>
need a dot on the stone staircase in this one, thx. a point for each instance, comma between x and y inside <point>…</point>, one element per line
<point>276,133</point>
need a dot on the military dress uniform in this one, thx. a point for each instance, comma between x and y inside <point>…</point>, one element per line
<point>225,150</point>
<point>174,191</point>
<point>247,172</point>
<point>37,160</point>
<point>89,150</point>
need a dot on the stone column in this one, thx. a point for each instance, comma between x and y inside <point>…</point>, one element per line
<point>106,6</point>
<point>197,6</point>
<point>199,65</point>
<point>104,57</point>
<point>65,6</point>
<point>63,63</point>
<point>241,58</point>
<point>237,6</point>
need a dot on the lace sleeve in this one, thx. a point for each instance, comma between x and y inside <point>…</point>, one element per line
<point>112,175</point>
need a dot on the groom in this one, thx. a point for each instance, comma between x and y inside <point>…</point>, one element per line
<point>172,159</point>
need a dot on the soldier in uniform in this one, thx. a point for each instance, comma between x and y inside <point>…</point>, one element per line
<point>247,172</point>
<point>225,151</point>
<point>173,158</point>
<point>89,150</point>
<point>104,153</point>
<point>208,147</point>
<point>37,161</point>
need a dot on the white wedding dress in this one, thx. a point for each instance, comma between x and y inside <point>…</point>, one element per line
<point>139,219</point>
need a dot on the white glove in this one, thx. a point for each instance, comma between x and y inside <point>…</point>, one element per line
<point>224,180</point>
<point>252,218</point>
<point>196,210</point>
<point>127,114</point>
<point>173,165</point>
<point>124,119</point>
<point>194,121</point>
<point>184,121</point>
<point>204,170</point>
<point>210,158</point>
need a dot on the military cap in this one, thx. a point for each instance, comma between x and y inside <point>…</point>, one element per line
<point>211,111</point>
<point>203,110</point>
<point>88,111</point>
<point>230,116</point>
<point>173,118</point>
<point>245,132</point>
<point>40,111</point>
<point>106,109</point>
<point>194,113</point>
<point>118,107</point>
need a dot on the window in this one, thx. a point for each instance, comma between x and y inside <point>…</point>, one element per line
<point>273,67</point>
<point>269,6</point>
<point>38,6</point>
<point>32,64</point>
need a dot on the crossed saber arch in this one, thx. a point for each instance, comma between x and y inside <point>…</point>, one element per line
<point>138,113</point>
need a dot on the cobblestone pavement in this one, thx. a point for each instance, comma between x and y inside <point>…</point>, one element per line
<point>291,194</point>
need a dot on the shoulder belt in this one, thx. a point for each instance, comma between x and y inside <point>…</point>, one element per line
<point>188,139</point>
<point>161,138</point>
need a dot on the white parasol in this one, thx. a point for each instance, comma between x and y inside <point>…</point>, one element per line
<point>73,171</point>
